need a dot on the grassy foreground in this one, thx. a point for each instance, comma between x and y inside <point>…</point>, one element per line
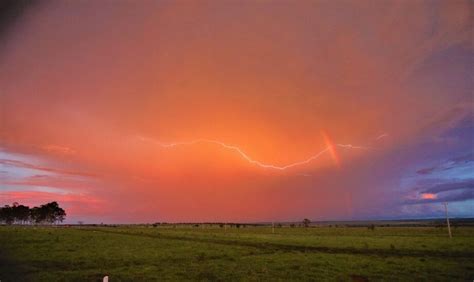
<point>253,253</point>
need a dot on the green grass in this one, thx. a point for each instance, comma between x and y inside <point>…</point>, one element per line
<point>252,253</point>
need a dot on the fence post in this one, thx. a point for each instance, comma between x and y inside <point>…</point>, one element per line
<point>447,219</point>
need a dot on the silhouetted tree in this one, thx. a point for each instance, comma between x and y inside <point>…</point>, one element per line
<point>306,222</point>
<point>48,213</point>
<point>54,213</point>
<point>21,213</point>
<point>36,216</point>
<point>6,215</point>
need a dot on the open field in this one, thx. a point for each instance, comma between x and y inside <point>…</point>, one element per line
<point>141,253</point>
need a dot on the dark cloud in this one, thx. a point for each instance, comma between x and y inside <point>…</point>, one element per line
<point>463,159</point>
<point>448,118</point>
<point>11,11</point>
<point>449,197</point>
<point>36,176</point>
<point>449,164</point>
<point>464,196</point>
<point>457,191</point>
<point>427,170</point>
<point>466,184</point>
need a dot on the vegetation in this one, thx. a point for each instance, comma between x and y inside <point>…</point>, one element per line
<point>184,252</point>
<point>306,222</point>
<point>19,214</point>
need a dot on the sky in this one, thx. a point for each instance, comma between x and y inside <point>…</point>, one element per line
<point>183,111</point>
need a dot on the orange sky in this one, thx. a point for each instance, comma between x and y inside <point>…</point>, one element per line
<point>104,88</point>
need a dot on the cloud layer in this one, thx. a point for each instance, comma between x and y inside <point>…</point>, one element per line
<point>84,82</point>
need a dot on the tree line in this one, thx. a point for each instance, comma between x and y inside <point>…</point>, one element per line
<point>49,213</point>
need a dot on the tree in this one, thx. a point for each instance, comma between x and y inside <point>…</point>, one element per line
<point>53,213</point>
<point>306,222</point>
<point>48,213</point>
<point>21,213</point>
<point>6,214</point>
<point>15,213</point>
<point>36,216</point>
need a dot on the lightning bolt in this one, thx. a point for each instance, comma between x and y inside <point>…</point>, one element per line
<point>247,157</point>
<point>381,136</point>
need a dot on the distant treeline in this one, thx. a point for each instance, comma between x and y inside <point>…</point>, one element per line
<point>49,213</point>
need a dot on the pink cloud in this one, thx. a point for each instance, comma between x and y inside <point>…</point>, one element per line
<point>429,196</point>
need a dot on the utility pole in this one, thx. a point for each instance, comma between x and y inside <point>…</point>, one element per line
<point>273,227</point>
<point>447,219</point>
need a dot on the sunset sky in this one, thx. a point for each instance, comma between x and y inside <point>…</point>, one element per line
<point>145,111</point>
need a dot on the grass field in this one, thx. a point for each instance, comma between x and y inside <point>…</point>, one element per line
<point>143,253</point>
